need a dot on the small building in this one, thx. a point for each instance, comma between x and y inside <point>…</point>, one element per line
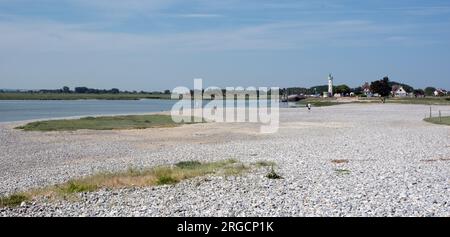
<point>400,92</point>
<point>366,89</point>
<point>440,92</point>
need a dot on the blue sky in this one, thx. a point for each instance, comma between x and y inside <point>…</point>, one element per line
<point>161,44</point>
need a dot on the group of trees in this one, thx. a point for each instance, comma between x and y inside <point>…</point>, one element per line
<point>384,87</point>
<point>316,90</point>
<point>86,90</point>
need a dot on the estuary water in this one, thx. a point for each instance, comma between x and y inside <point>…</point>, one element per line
<point>19,110</point>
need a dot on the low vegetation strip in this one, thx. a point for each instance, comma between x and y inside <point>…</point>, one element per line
<point>80,96</point>
<point>162,175</point>
<point>423,101</point>
<point>103,123</point>
<point>320,102</point>
<point>436,120</point>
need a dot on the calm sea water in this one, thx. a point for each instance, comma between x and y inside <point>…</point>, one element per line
<point>18,110</point>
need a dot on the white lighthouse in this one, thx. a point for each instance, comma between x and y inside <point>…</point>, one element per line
<point>330,85</point>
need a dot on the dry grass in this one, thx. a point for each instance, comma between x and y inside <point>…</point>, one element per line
<point>339,161</point>
<point>342,171</point>
<point>434,160</point>
<point>162,175</point>
<point>13,200</point>
<point>264,163</point>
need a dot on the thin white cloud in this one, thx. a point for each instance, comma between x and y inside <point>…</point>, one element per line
<point>125,5</point>
<point>197,15</point>
<point>428,11</point>
<point>23,36</point>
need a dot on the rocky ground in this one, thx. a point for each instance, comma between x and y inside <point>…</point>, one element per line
<point>394,165</point>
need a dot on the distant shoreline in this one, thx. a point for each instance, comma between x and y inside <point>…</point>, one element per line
<point>79,96</point>
<point>87,96</point>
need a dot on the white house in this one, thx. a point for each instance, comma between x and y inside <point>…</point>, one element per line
<point>366,89</point>
<point>400,92</point>
<point>440,92</point>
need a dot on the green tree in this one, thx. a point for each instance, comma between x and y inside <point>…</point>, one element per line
<point>81,90</point>
<point>381,87</point>
<point>66,89</point>
<point>319,89</point>
<point>358,90</point>
<point>419,92</point>
<point>429,91</point>
<point>343,89</point>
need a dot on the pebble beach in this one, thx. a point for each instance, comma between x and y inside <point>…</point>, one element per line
<point>344,160</point>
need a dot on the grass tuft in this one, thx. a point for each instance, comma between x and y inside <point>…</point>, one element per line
<point>272,174</point>
<point>436,120</point>
<point>77,187</point>
<point>264,163</point>
<point>342,171</point>
<point>13,200</point>
<point>166,180</point>
<point>132,177</point>
<point>339,161</point>
<point>188,164</point>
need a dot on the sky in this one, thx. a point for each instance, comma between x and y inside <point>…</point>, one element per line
<point>162,44</point>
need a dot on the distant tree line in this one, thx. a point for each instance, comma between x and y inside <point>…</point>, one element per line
<point>385,87</point>
<point>318,90</point>
<point>86,90</point>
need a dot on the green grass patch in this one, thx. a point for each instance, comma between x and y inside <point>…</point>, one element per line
<point>13,200</point>
<point>188,164</point>
<point>272,174</point>
<point>103,123</point>
<point>76,187</point>
<point>436,120</point>
<point>422,101</point>
<point>166,180</point>
<point>342,171</point>
<point>321,102</point>
<point>161,175</point>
